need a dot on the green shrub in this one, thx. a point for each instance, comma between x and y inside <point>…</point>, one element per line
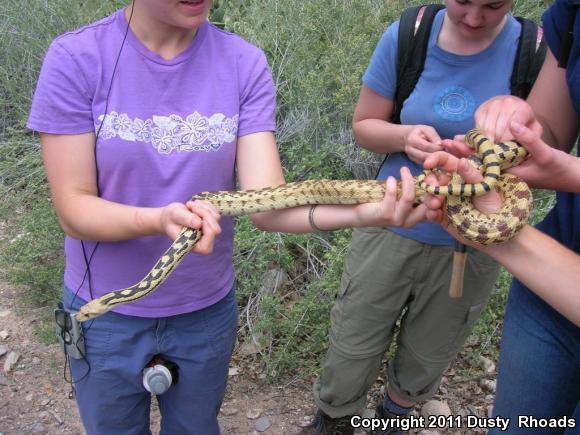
<point>31,252</point>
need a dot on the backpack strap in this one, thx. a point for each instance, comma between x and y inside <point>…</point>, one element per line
<point>414,31</point>
<point>529,58</point>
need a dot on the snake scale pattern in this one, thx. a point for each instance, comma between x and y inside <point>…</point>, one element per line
<point>491,159</point>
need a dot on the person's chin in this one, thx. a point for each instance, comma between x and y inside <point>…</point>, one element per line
<point>194,7</point>
<point>472,32</point>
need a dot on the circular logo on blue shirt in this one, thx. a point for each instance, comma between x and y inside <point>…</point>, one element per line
<point>454,103</point>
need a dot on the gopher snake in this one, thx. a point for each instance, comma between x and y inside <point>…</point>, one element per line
<point>472,224</point>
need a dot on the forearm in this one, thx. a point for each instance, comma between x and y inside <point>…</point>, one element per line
<point>567,179</point>
<point>297,220</point>
<point>546,267</point>
<point>380,136</point>
<point>71,171</point>
<point>259,166</point>
<point>557,139</point>
<point>88,217</point>
<point>561,174</point>
<point>547,135</point>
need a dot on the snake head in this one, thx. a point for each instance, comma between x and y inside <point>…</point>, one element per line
<point>91,310</point>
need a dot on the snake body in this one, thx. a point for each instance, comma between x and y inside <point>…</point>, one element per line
<point>473,225</point>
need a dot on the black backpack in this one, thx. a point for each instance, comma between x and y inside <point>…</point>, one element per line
<point>414,32</point>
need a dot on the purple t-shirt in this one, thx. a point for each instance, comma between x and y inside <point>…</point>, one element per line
<point>170,132</point>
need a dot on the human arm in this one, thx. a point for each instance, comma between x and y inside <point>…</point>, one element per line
<point>548,111</point>
<point>374,132</point>
<point>546,267</point>
<point>258,165</point>
<point>549,269</point>
<point>71,171</point>
<point>545,167</point>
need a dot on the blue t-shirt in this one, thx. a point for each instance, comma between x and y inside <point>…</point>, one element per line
<point>450,89</point>
<point>563,221</point>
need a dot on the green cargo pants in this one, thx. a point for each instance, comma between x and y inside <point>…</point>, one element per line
<point>384,273</point>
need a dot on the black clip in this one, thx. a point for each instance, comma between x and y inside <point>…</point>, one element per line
<point>69,332</point>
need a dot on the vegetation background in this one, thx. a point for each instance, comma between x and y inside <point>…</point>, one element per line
<point>318,50</point>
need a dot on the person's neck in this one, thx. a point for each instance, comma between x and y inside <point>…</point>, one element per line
<point>451,40</point>
<point>166,41</point>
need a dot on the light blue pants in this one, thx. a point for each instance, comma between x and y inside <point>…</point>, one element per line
<point>109,389</point>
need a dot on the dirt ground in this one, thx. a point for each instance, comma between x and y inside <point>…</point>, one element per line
<point>34,396</point>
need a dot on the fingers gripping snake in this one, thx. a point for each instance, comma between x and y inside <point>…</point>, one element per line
<point>472,224</point>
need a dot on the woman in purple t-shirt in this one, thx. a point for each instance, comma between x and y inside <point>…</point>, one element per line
<point>138,112</point>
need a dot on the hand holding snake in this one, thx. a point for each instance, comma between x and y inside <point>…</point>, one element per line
<point>199,215</point>
<point>475,226</point>
<point>448,163</point>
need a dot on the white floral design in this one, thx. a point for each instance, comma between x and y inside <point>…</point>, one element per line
<point>171,133</point>
<point>142,130</point>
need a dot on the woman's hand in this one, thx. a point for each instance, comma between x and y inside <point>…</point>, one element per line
<point>489,203</point>
<point>391,211</point>
<point>545,167</point>
<point>457,146</point>
<point>494,117</point>
<point>200,215</point>
<point>420,142</point>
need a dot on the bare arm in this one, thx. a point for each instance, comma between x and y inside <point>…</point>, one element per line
<point>258,165</point>
<point>69,162</point>
<point>552,104</point>
<point>373,132</point>
<point>545,266</point>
